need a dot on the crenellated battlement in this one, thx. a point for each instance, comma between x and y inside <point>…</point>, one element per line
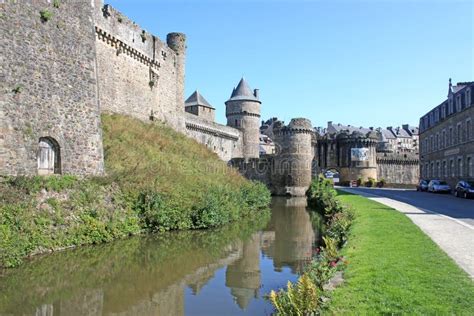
<point>124,48</point>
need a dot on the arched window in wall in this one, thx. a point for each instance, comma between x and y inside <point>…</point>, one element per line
<point>49,156</point>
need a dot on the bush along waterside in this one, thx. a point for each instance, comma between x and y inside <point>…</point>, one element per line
<point>308,295</point>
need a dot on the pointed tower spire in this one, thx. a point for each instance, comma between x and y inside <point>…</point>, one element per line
<point>450,88</point>
<point>243,92</point>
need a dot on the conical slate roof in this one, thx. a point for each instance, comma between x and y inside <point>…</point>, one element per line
<point>243,92</point>
<point>197,99</point>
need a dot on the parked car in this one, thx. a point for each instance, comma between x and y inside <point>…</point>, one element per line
<point>422,185</point>
<point>438,186</point>
<point>464,189</point>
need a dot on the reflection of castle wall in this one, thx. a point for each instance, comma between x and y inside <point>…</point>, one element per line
<point>45,310</point>
<point>294,235</point>
<point>89,303</point>
<point>243,276</point>
<point>169,301</point>
<point>201,276</point>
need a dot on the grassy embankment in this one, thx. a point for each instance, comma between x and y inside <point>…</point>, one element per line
<point>156,180</point>
<point>396,269</point>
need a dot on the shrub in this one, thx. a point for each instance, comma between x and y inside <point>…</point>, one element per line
<point>381,183</point>
<point>370,183</point>
<point>45,15</point>
<point>360,181</point>
<point>297,300</point>
<point>255,195</point>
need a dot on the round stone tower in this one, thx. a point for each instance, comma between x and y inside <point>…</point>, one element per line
<point>243,112</point>
<point>177,42</point>
<point>358,155</point>
<point>293,158</point>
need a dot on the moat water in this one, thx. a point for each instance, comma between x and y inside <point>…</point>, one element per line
<point>227,271</point>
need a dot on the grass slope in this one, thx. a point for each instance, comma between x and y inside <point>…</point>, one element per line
<point>157,180</point>
<point>396,269</point>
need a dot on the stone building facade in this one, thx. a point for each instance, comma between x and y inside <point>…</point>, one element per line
<point>447,137</point>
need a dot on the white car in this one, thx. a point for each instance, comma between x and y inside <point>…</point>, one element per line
<point>439,186</point>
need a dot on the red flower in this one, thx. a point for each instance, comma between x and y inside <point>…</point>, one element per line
<point>333,264</point>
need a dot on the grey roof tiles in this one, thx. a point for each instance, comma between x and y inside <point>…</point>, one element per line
<point>243,92</point>
<point>197,99</point>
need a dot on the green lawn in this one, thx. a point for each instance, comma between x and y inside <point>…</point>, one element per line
<point>394,268</point>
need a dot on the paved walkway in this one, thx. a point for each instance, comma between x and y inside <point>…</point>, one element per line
<point>455,237</point>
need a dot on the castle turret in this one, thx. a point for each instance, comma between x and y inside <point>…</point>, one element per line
<point>358,155</point>
<point>177,42</point>
<point>196,104</point>
<point>243,112</point>
<point>293,159</point>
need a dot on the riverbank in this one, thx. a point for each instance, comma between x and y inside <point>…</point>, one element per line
<point>395,268</point>
<point>157,180</point>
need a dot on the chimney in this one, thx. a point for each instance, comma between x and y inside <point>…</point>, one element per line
<point>329,123</point>
<point>256,93</point>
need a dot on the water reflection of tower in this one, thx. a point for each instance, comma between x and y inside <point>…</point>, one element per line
<point>294,234</point>
<point>243,277</point>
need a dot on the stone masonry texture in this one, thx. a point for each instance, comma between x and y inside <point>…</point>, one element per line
<point>48,84</point>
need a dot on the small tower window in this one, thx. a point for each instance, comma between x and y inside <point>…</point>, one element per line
<point>49,156</point>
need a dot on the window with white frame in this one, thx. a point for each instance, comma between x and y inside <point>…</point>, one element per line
<point>460,173</point>
<point>445,169</point>
<point>468,97</point>
<point>451,167</point>
<point>458,103</point>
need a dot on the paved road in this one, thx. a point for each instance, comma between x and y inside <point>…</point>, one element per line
<point>445,204</point>
<point>447,220</point>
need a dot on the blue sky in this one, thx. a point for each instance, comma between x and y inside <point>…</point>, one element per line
<point>364,63</point>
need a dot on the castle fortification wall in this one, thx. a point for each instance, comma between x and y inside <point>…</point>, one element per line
<point>49,86</point>
<point>139,75</point>
<point>397,169</point>
<point>294,156</point>
<point>225,141</point>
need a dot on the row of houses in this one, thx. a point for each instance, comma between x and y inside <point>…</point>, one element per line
<point>447,137</point>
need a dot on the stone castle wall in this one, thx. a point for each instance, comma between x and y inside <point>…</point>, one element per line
<point>225,141</point>
<point>48,84</point>
<point>294,156</point>
<point>139,75</point>
<point>398,169</point>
